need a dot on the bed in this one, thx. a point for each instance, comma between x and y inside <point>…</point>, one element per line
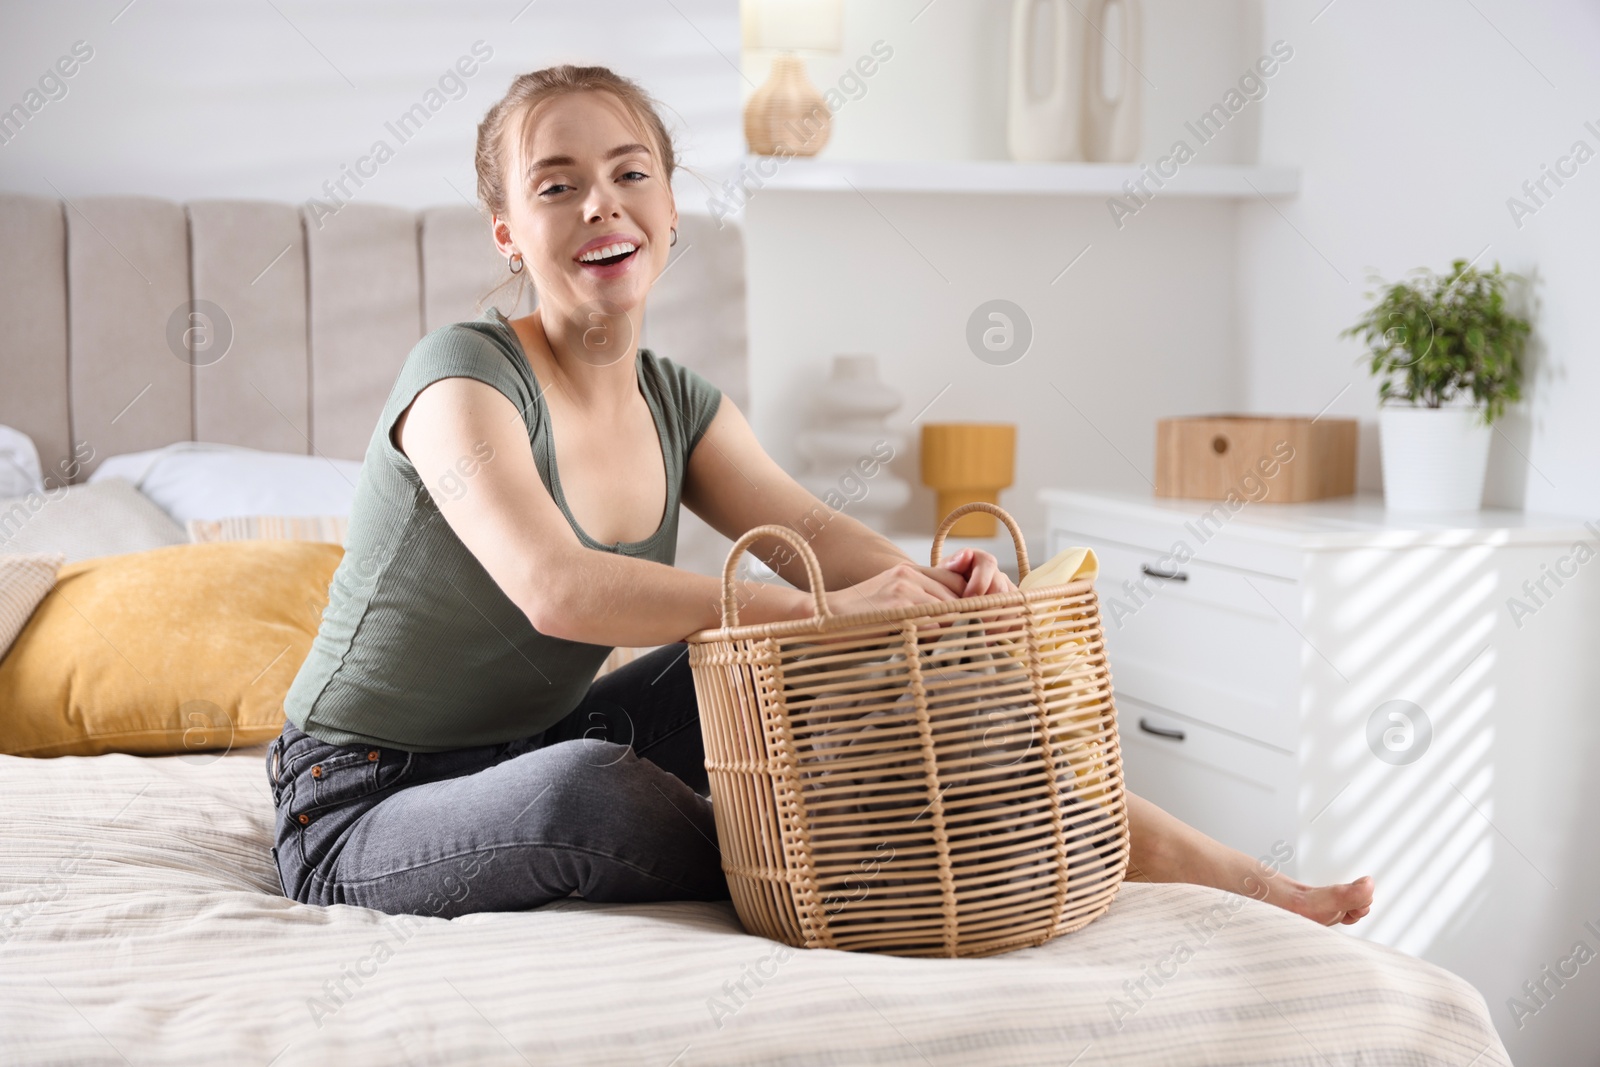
<point>141,920</point>
<point>144,923</point>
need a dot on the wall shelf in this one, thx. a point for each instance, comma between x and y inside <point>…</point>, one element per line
<point>1003,176</point>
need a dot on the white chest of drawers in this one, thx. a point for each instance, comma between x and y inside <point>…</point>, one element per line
<point>1412,698</point>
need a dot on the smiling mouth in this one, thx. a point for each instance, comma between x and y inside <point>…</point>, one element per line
<point>609,261</point>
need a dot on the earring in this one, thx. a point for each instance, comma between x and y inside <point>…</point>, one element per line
<point>674,237</point>
<point>516,259</point>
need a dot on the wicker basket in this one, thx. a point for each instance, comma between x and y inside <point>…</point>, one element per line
<point>938,780</point>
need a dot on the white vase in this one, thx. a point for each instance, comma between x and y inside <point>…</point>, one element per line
<point>1434,459</point>
<point>847,444</point>
<point>1045,125</point>
<point>1112,91</point>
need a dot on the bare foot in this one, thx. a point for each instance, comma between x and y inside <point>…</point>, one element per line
<point>1329,905</point>
<point>1163,848</point>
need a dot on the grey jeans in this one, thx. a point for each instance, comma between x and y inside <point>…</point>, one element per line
<point>609,804</point>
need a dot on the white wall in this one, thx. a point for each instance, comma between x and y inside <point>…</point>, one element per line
<point>1414,123</point>
<point>1143,326</point>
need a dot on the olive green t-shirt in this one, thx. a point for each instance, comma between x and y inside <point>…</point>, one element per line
<point>418,648</point>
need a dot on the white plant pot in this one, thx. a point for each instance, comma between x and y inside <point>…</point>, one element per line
<point>1434,459</point>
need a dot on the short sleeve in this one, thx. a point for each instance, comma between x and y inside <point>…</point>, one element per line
<point>695,399</point>
<point>460,350</point>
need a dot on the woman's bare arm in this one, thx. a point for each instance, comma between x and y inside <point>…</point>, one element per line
<point>507,519</point>
<point>632,602</point>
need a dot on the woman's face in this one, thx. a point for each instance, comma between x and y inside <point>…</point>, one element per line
<point>587,181</point>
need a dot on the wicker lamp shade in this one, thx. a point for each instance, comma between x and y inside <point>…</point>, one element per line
<point>937,780</point>
<point>787,115</point>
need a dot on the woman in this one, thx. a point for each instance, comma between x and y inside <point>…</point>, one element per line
<point>449,748</point>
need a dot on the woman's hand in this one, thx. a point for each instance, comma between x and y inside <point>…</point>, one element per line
<point>970,572</point>
<point>903,585</point>
<point>982,577</point>
<point>980,570</point>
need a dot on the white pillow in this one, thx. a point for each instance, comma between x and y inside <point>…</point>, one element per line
<point>84,521</point>
<point>19,464</point>
<point>200,480</point>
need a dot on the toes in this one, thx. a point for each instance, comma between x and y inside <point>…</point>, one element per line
<point>1348,915</point>
<point>1358,890</point>
<point>1330,905</point>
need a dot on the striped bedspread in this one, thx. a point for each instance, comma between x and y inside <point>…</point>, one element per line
<point>141,922</point>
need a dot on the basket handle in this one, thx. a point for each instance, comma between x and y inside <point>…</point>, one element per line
<point>982,505</point>
<point>730,607</point>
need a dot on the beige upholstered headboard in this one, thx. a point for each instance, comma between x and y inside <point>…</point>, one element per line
<point>93,292</point>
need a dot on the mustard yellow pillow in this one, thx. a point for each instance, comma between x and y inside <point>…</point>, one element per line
<point>180,649</point>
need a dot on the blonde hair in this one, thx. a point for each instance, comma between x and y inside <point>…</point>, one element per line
<point>526,98</point>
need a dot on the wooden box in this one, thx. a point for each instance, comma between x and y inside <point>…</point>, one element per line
<point>1258,458</point>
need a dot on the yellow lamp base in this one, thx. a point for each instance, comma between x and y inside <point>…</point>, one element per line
<point>967,461</point>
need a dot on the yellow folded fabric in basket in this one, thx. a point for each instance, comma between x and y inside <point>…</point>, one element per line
<point>1070,565</point>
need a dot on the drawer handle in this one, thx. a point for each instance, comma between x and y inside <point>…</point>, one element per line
<point>1144,724</point>
<point>1169,576</point>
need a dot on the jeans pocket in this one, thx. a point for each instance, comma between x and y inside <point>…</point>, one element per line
<point>331,787</point>
<point>344,775</point>
<point>341,777</point>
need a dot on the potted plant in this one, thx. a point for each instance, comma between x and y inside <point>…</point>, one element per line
<point>1449,352</point>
